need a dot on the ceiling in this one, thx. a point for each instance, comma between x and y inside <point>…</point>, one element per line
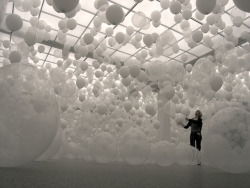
<point>128,52</point>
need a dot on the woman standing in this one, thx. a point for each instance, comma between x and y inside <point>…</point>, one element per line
<point>196,126</point>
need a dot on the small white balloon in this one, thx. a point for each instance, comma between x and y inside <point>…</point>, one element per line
<point>15,57</point>
<point>197,36</point>
<point>216,82</point>
<point>175,7</point>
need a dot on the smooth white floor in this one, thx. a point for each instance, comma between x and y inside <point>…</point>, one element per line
<point>76,173</point>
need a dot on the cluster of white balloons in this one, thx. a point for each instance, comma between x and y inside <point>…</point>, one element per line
<point>108,110</point>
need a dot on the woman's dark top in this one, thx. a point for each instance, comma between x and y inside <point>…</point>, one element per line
<point>196,125</point>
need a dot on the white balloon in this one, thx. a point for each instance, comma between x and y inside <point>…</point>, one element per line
<point>109,31</point>
<point>66,6</point>
<point>148,40</point>
<point>30,38</point>
<point>114,14</point>
<point>88,38</point>
<point>205,28</point>
<point>243,5</point>
<point>120,37</point>
<point>184,57</point>
<point>216,82</point>
<point>134,70</point>
<point>71,23</point>
<point>84,65</point>
<point>187,14</point>
<point>164,4</point>
<point>150,109</point>
<point>80,82</point>
<point>197,36</point>
<point>204,6</point>
<point>99,4</point>
<point>175,7</point>
<point>124,71</point>
<point>14,22</point>
<point>15,56</point>
<point>130,30</point>
<point>156,15</point>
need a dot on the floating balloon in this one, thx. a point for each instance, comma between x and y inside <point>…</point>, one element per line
<point>168,92</point>
<point>176,70</point>
<point>184,57</point>
<point>30,37</point>
<point>124,71</point>
<point>88,38</point>
<point>150,109</point>
<point>156,16</point>
<point>187,14</point>
<point>197,36</point>
<point>66,6</point>
<point>237,16</point>
<point>175,7</point>
<point>114,14</point>
<point>243,5</point>
<point>15,56</point>
<point>99,4</point>
<point>205,7</point>
<point>216,82</point>
<point>134,70</point>
<point>71,23</point>
<point>14,22</point>
<point>23,5</point>
<point>80,82</point>
<point>127,106</point>
<point>202,70</point>
<point>119,37</point>
<point>164,4</point>
<point>155,70</point>
<point>139,20</point>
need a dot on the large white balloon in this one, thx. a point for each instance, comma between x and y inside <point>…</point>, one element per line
<point>30,37</point>
<point>14,22</point>
<point>114,14</point>
<point>243,5</point>
<point>204,6</point>
<point>66,6</point>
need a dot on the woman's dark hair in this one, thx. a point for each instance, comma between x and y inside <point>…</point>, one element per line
<point>200,114</point>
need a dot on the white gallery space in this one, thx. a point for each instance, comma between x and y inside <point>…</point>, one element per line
<point>124,93</point>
